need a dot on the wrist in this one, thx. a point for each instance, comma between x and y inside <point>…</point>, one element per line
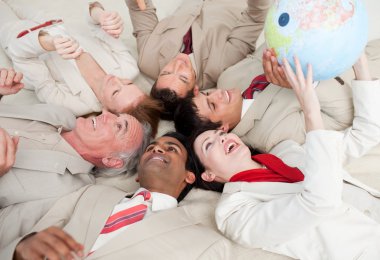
<point>96,9</point>
<point>46,41</point>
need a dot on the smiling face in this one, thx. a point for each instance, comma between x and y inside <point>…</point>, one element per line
<point>178,75</point>
<point>222,155</point>
<point>120,95</point>
<point>106,134</point>
<point>162,167</point>
<point>220,106</point>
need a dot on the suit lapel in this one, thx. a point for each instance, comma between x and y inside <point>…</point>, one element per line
<point>152,226</point>
<point>257,110</point>
<point>93,210</point>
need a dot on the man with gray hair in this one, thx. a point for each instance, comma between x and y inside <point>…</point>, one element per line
<point>51,153</point>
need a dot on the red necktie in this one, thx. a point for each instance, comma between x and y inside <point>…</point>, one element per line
<point>127,216</point>
<point>259,83</point>
<point>188,42</point>
<point>124,217</point>
<point>277,171</point>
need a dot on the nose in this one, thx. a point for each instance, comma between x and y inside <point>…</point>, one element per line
<point>158,149</point>
<point>222,137</point>
<point>217,94</point>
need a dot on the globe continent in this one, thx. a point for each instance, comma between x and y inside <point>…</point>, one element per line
<point>328,34</point>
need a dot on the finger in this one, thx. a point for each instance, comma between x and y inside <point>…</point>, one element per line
<point>309,75</point>
<point>112,20</point>
<point>113,26</point>
<point>16,88</point>
<point>60,40</point>
<point>299,72</point>
<point>114,32</point>
<point>3,149</point>
<point>18,77</point>
<point>289,73</point>
<point>141,4</point>
<point>3,76</point>
<point>73,55</point>
<point>267,66</point>
<point>10,77</point>
<point>67,239</point>
<point>66,44</point>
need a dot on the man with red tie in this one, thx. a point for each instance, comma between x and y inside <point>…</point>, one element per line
<point>187,51</point>
<point>102,222</point>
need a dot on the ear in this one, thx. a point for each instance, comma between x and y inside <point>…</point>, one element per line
<point>113,162</point>
<point>196,90</point>
<point>208,176</point>
<point>225,127</point>
<point>190,177</point>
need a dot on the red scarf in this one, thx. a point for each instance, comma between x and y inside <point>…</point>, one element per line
<point>277,171</point>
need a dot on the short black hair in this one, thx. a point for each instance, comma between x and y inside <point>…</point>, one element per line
<point>187,120</point>
<point>190,160</point>
<point>169,99</point>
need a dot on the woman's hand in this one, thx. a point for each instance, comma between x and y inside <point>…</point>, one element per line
<point>8,149</point>
<point>110,21</point>
<point>306,95</point>
<point>361,68</point>
<point>66,47</point>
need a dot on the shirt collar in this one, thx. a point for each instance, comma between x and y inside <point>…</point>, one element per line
<point>192,60</point>
<point>246,105</point>
<point>160,201</point>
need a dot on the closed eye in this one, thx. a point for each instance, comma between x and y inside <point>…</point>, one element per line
<point>115,92</point>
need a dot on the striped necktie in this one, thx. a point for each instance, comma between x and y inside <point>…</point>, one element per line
<point>259,83</point>
<point>127,216</point>
<point>121,219</point>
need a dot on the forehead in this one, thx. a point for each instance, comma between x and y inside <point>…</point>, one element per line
<point>203,137</point>
<point>167,140</point>
<point>133,136</point>
<point>201,103</point>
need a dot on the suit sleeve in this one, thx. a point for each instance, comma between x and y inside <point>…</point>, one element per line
<point>262,222</point>
<point>57,216</point>
<point>143,22</point>
<point>243,37</point>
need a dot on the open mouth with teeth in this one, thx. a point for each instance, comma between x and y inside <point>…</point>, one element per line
<point>158,158</point>
<point>94,122</point>
<point>230,146</point>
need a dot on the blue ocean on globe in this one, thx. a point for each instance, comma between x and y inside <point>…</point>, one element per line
<point>329,34</point>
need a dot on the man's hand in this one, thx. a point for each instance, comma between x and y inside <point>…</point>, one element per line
<point>306,95</point>
<point>10,82</point>
<point>141,4</point>
<point>52,243</point>
<point>66,47</point>
<point>8,148</point>
<point>273,71</point>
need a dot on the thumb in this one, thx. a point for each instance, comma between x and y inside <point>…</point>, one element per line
<point>16,140</point>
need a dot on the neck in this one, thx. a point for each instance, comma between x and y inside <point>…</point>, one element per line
<point>80,148</point>
<point>92,73</point>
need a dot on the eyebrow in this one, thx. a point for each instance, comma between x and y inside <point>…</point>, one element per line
<point>171,143</point>
<point>215,131</point>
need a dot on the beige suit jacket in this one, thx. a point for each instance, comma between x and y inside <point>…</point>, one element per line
<point>276,114</point>
<point>46,166</point>
<point>222,32</point>
<point>169,234</point>
<point>55,80</point>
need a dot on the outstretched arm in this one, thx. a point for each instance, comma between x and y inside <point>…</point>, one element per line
<point>306,95</point>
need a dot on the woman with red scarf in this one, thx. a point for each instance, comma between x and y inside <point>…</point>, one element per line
<point>298,201</point>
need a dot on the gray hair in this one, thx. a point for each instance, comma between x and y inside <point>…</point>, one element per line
<point>130,159</point>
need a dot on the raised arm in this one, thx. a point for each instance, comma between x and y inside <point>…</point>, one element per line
<point>365,131</point>
<point>306,95</point>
